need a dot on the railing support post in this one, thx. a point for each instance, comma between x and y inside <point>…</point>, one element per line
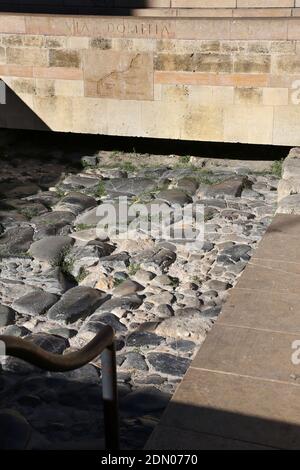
<point>110,398</point>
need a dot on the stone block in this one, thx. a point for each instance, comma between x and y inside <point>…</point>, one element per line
<point>57,73</point>
<point>275,96</point>
<point>252,64</point>
<point>168,119</point>
<point>100,43</point>
<point>266,354</point>
<point>33,57</point>
<point>78,43</point>
<point>112,74</point>
<point>244,122</point>
<point>211,95</point>
<point>259,28</point>
<point>69,87</point>
<point>286,125</point>
<point>213,63</point>
<point>124,117</point>
<point>206,28</point>
<point>203,123</point>
<point>175,93</point>
<point>12,40</point>
<point>55,112</point>
<point>247,95</point>
<point>204,3</point>
<point>243,308</point>
<point>55,42</point>
<point>89,115</point>
<point>22,85</point>
<point>265,3</point>
<point>32,41</point>
<point>12,23</point>
<point>286,64</point>
<point>45,87</point>
<point>64,58</point>
<point>236,407</point>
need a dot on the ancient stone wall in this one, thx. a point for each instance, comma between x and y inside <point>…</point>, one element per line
<point>230,72</point>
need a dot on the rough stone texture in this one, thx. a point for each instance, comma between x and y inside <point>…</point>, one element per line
<point>52,223</point>
<point>76,203</point>
<point>7,316</point>
<point>50,249</point>
<point>168,364</point>
<point>127,287</point>
<point>174,196</point>
<point>232,187</point>
<point>16,241</point>
<point>76,303</point>
<point>289,205</point>
<point>160,295</point>
<point>34,303</point>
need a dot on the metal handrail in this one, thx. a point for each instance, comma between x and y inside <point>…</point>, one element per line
<point>102,344</point>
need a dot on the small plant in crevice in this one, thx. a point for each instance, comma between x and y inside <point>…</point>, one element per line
<point>80,227</point>
<point>100,190</point>
<point>276,168</point>
<point>29,212</point>
<point>184,159</point>
<point>60,192</point>
<point>83,273</point>
<point>133,269</point>
<point>64,262</point>
<point>128,166</point>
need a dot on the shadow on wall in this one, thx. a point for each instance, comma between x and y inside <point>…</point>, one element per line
<point>87,7</point>
<point>16,114</point>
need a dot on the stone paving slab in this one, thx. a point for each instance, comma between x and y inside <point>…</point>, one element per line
<point>174,439</point>
<point>236,407</point>
<point>257,276</point>
<point>243,386</point>
<point>258,309</point>
<point>281,241</point>
<point>252,352</point>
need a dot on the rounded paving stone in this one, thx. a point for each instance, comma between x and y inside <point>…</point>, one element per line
<point>174,196</point>
<point>76,203</point>
<point>140,339</point>
<point>76,303</point>
<point>168,363</point>
<point>7,316</point>
<point>51,248</point>
<point>35,303</point>
<point>126,288</point>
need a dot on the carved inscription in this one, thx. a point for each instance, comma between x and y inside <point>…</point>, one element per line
<point>120,28</point>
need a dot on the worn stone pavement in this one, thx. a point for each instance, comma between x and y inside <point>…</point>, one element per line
<point>242,389</point>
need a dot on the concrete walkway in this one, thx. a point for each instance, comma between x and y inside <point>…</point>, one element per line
<point>243,390</point>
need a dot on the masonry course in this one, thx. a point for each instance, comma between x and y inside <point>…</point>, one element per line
<point>212,71</point>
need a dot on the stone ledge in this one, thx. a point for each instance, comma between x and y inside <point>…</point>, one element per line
<point>156,12</point>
